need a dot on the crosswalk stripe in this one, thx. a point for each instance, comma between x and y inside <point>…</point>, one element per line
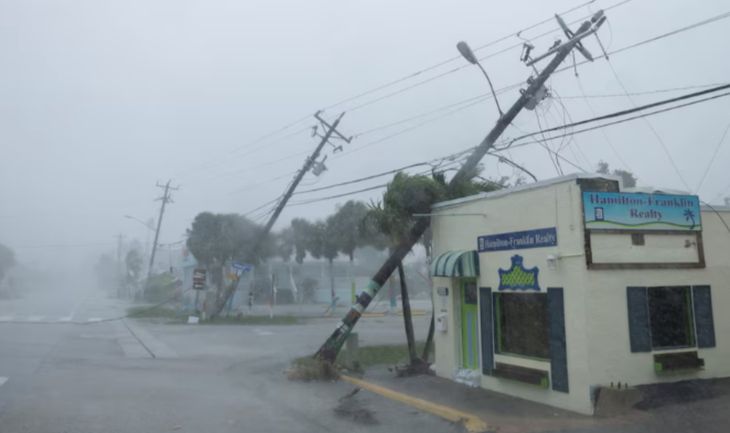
<point>35,318</point>
<point>6,318</point>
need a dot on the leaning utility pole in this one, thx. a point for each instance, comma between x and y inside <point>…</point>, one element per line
<point>309,163</point>
<point>528,98</point>
<point>165,199</point>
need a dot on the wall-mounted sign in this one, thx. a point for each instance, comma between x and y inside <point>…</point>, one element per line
<point>638,211</point>
<point>547,237</point>
<point>442,291</point>
<point>517,277</point>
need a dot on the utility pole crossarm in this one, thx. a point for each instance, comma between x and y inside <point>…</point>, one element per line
<point>298,178</point>
<point>331,347</point>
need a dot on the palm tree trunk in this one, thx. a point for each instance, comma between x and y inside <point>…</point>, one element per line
<point>332,285</point>
<point>407,319</point>
<point>429,338</point>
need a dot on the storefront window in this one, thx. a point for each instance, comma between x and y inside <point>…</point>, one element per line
<point>521,324</point>
<point>670,317</point>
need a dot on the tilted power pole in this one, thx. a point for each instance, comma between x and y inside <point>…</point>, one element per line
<point>309,163</point>
<point>329,350</point>
<point>165,199</point>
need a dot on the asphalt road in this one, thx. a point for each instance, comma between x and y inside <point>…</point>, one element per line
<point>85,375</point>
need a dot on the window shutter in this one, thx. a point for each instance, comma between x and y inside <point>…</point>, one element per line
<point>704,324</point>
<point>639,331</point>
<point>487,336</point>
<point>558,349</point>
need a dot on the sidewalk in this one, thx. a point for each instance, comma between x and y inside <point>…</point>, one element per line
<point>500,412</point>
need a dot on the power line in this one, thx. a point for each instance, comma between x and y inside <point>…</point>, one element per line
<point>712,158</point>
<point>603,133</point>
<point>627,111</point>
<point>81,245</point>
<point>583,95</point>
<point>563,127</point>
<point>215,162</point>
<point>511,144</point>
<point>516,85</point>
<point>263,182</point>
<point>314,200</point>
<point>456,58</point>
<point>692,26</point>
<point>651,127</point>
<point>406,78</point>
<point>362,179</point>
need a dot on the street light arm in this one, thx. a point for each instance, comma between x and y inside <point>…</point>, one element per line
<point>491,87</point>
<point>147,226</point>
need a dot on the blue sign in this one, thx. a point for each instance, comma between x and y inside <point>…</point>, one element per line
<point>517,277</point>
<point>547,237</point>
<point>243,267</point>
<point>639,211</point>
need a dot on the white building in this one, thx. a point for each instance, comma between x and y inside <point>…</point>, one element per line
<point>550,290</point>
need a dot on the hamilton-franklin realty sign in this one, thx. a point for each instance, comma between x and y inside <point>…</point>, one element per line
<point>637,211</point>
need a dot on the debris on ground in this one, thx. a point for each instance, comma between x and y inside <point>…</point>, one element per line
<point>309,369</point>
<point>686,391</point>
<point>415,368</point>
<point>350,407</point>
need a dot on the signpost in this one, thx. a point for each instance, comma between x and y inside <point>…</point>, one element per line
<point>199,276</point>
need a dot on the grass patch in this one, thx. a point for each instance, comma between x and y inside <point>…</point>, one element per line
<point>155,312</point>
<point>388,354</point>
<point>308,368</point>
<point>253,320</point>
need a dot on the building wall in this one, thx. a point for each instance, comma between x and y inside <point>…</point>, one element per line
<point>556,206</point>
<point>595,301</point>
<point>611,359</point>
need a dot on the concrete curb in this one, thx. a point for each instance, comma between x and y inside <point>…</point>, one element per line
<point>472,423</point>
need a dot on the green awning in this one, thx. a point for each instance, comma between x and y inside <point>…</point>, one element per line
<point>460,263</point>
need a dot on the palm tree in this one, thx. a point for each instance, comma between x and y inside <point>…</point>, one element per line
<point>689,216</point>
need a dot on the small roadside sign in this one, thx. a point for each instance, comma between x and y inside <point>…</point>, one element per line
<point>243,267</point>
<point>199,279</point>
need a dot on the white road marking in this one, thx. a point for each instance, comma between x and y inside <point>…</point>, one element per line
<point>35,318</point>
<point>262,332</point>
<point>94,319</point>
<point>6,318</point>
<point>3,380</point>
<point>65,319</point>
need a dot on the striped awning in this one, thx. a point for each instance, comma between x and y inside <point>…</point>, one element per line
<point>460,263</point>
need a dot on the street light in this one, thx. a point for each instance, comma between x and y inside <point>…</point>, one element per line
<point>147,225</point>
<point>468,54</point>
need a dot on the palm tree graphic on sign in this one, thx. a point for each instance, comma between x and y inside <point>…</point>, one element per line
<point>689,216</point>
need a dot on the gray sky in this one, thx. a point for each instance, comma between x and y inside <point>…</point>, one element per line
<point>99,100</point>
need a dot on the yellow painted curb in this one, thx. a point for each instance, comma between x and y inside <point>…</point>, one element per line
<point>472,423</point>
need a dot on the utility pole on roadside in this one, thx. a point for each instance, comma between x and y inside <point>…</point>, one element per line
<point>528,98</point>
<point>120,277</point>
<point>311,163</point>
<point>165,199</point>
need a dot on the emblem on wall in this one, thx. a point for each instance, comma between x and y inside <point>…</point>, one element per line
<point>517,277</point>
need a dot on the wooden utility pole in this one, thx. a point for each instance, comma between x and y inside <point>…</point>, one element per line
<point>329,350</point>
<point>309,163</point>
<point>165,199</point>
